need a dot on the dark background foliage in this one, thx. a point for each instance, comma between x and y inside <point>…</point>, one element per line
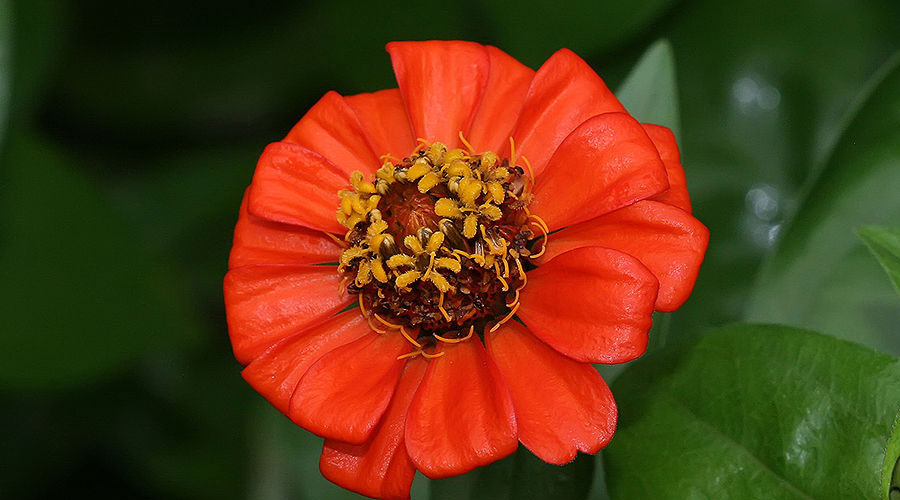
<point>130,129</point>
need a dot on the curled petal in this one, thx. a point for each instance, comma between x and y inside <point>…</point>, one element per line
<point>265,304</point>
<point>592,304</point>
<point>332,129</point>
<point>262,242</point>
<point>384,120</point>
<point>462,416</point>
<point>666,239</point>
<point>276,372</point>
<point>562,406</point>
<point>380,467</point>
<point>608,162</point>
<point>664,140</point>
<point>508,82</point>
<point>442,83</point>
<point>345,393</point>
<point>294,185</point>
<point>564,93</point>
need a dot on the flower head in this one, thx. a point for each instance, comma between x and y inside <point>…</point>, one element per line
<point>499,228</point>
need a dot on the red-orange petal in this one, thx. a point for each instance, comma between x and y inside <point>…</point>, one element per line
<point>380,467</point>
<point>608,162</point>
<point>666,239</point>
<point>265,304</point>
<point>562,406</point>
<point>276,372</point>
<point>262,242</point>
<point>508,82</point>
<point>592,304</point>
<point>332,129</point>
<point>442,83</point>
<point>294,185</point>
<point>345,393</point>
<point>462,416</point>
<point>665,143</point>
<point>564,93</point>
<point>384,120</point>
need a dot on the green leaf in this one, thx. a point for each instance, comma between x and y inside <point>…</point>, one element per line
<point>6,26</point>
<point>821,276</point>
<point>650,91</point>
<point>757,411</point>
<point>532,29</point>
<point>521,475</point>
<point>83,295</point>
<point>884,243</point>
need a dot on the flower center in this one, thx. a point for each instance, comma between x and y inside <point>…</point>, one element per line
<point>439,242</point>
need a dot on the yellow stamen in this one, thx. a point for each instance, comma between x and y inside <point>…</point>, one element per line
<point>500,278</point>
<point>334,238</point>
<point>530,170</point>
<point>407,278</point>
<point>470,226</point>
<point>434,242</point>
<point>515,301</point>
<point>441,308</point>
<point>507,317</point>
<point>432,356</point>
<point>445,207</point>
<point>429,181</point>
<point>386,322</point>
<point>464,141</point>
<point>455,341</point>
<point>409,338</point>
<point>411,354</point>
<point>430,267</point>
<point>401,259</point>
<point>440,282</point>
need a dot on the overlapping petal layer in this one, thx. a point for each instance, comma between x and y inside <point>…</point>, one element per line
<point>344,394</point>
<point>276,372</point>
<point>664,140</point>
<point>384,121</point>
<point>380,467</point>
<point>462,416</point>
<point>592,304</point>
<point>508,83</point>
<point>562,406</point>
<point>440,107</point>
<point>564,93</point>
<point>262,242</point>
<point>265,304</point>
<point>332,129</point>
<point>669,241</point>
<point>608,162</point>
<point>295,185</point>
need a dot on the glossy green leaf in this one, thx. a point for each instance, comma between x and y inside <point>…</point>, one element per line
<point>763,86</point>
<point>521,475</point>
<point>884,243</point>
<point>757,411</point>
<point>650,92</point>
<point>821,275</point>
<point>86,297</point>
<point>532,30</point>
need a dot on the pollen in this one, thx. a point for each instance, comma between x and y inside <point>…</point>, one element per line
<point>438,243</point>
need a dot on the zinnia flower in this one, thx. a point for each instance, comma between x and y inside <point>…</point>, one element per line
<point>499,228</point>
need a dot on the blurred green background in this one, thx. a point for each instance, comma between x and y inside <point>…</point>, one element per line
<point>130,129</point>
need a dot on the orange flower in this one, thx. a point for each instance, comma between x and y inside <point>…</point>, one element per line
<point>478,192</point>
